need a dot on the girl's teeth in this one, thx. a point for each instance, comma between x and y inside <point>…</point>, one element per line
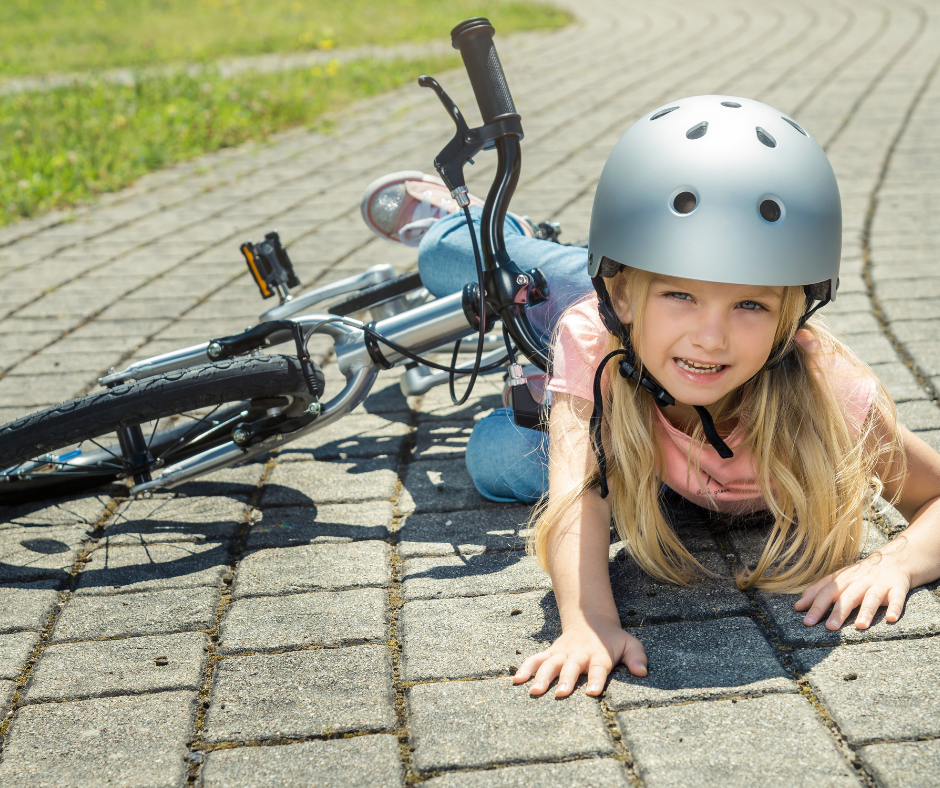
<point>694,366</point>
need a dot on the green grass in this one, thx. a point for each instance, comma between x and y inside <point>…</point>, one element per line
<point>42,36</point>
<point>72,143</point>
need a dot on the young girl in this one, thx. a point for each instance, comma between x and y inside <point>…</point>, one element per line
<point>715,236</point>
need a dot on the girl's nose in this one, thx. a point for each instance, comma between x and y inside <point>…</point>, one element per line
<point>711,333</point>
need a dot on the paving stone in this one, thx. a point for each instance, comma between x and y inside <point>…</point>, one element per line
<point>487,394</point>
<point>440,485</point>
<point>931,438</point>
<point>922,415</point>
<point>232,482</point>
<point>900,382</point>
<point>86,511</point>
<point>921,617</point>
<point>15,649</point>
<point>313,567</point>
<point>437,439</point>
<point>878,691</point>
<point>153,567</point>
<point>779,737</point>
<point>476,636</point>
<point>175,519</point>
<point>360,762</point>
<point>306,483</point>
<point>700,661</point>
<point>459,724</point>
<point>115,667</point>
<point>606,773</point>
<point>28,606</point>
<point>7,689</point>
<point>363,435</point>
<point>302,693</point>
<point>33,553</point>
<point>641,600</point>
<point>290,526</point>
<point>131,742</point>
<point>465,532</point>
<point>911,764</point>
<point>473,575</point>
<point>334,618</point>
<point>126,615</point>
<point>872,348</point>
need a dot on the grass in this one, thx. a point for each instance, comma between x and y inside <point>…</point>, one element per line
<point>43,36</point>
<point>72,143</point>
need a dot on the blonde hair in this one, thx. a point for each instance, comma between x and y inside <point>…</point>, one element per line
<point>816,472</point>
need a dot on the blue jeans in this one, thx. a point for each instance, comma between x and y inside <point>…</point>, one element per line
<point>507,463</point>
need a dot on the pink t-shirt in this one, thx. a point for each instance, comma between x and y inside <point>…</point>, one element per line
<point>723,485</point>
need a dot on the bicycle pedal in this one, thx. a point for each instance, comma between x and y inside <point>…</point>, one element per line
<point>270,266</point>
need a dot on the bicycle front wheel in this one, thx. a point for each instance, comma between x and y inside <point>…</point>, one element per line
<point>72,446</point>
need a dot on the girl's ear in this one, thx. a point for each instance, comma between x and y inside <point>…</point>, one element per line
<point>622,308</point>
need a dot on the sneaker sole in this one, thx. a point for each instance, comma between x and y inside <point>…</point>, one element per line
<point>390,180</point>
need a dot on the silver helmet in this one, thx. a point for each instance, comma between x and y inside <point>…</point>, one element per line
<point>722,189</point>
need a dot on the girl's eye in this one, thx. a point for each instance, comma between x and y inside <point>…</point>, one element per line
<point>680,296</point>
<point>751,306</point>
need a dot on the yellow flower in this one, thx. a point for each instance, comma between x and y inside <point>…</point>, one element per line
<point>171,109</point>
<point>327,43</point>
<point>332,67</point>
<point>120,122</point>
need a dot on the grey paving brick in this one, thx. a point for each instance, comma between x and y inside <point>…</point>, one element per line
<point>360,762</point>
<point>700,661</point>
<point>922,415</point>
<point>175,519</point>
<point>363,435</point>
<point>305,483</point>
<point>912,764</point>
<point>239,481</point>
<point>27,607</point>
<point>436,439</point>
<point>334,618</point>
<point>878,691</point>
<point>459,724</point>
<point>597,773</point>
<point>313,567</point>
<point>439,485</point>
<point>126,615</point>
<point>290,526</point>
<point>476,636</point>
<point>7,689</point>
<point>921,617</point>
<point>39,553</point>
<point>487,394</point>
<point>15,649</point>
<point>473,575</point>
<point>931,438</point>
<point>302,693</point>
<point>900,382</point>
<point>153,567</point>
<point>85,512</point>
<point>872,348</point>
<point>641,599</point>
<point>777,737</point>
<point>128,741</point>
<point>115,667</point>
<point>465,532</point>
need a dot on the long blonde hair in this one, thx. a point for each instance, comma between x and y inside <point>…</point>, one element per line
<point>816,472</point>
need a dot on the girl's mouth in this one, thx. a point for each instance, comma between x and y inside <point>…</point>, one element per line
<point>697,368</point>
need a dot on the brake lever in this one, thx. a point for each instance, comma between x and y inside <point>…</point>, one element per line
<point>466,142</point>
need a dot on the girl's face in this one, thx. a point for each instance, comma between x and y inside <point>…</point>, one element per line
<point>702,340</point>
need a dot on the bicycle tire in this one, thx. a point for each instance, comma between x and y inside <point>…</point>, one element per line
<point>376,294</point>
<point>86,418</point>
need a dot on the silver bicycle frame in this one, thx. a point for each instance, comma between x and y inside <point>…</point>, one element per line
<point>421,329</point>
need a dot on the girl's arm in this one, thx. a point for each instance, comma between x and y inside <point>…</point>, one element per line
<point>907,561</point>
<point>592,639</point>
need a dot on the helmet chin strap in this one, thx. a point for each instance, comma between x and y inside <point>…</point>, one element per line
<point>630,368</point>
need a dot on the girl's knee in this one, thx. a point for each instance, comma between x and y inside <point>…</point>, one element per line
<point>506,462</point>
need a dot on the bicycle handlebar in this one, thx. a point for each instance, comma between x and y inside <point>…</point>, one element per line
<point>474,39</point>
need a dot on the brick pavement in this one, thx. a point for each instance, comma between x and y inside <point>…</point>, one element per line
<point>351,605</point>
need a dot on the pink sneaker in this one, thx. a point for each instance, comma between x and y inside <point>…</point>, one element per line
<point>404,205</point>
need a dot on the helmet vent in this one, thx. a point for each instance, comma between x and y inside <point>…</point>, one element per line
<point>697,131</point>
<point>792,123</point>
<point>770,210</point>
<point>733,105</point>
<point>663,112</point>
<point>769,141</point>
<point>685,202</point>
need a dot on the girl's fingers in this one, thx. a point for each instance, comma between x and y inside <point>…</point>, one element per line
<point>810,593</point>
<point>635,658</point>
<point>896,597</point>
<point>546,673</point>
<point>574,666</point>
<point>529,666</point>
<point>870,604</point>
<point>821,603</point>
<point>848,600</point>
<point>597,677</point>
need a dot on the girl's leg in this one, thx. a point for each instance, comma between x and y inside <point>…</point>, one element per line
<point>446,264</point>
<point>507,463</point>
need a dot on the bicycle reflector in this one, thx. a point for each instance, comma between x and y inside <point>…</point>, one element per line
<point>270,266</point>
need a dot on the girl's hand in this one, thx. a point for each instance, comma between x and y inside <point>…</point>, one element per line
<point>583,649</point>
<point>876,581</point>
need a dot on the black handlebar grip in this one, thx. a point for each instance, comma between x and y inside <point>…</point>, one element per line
<point>474,39</point>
